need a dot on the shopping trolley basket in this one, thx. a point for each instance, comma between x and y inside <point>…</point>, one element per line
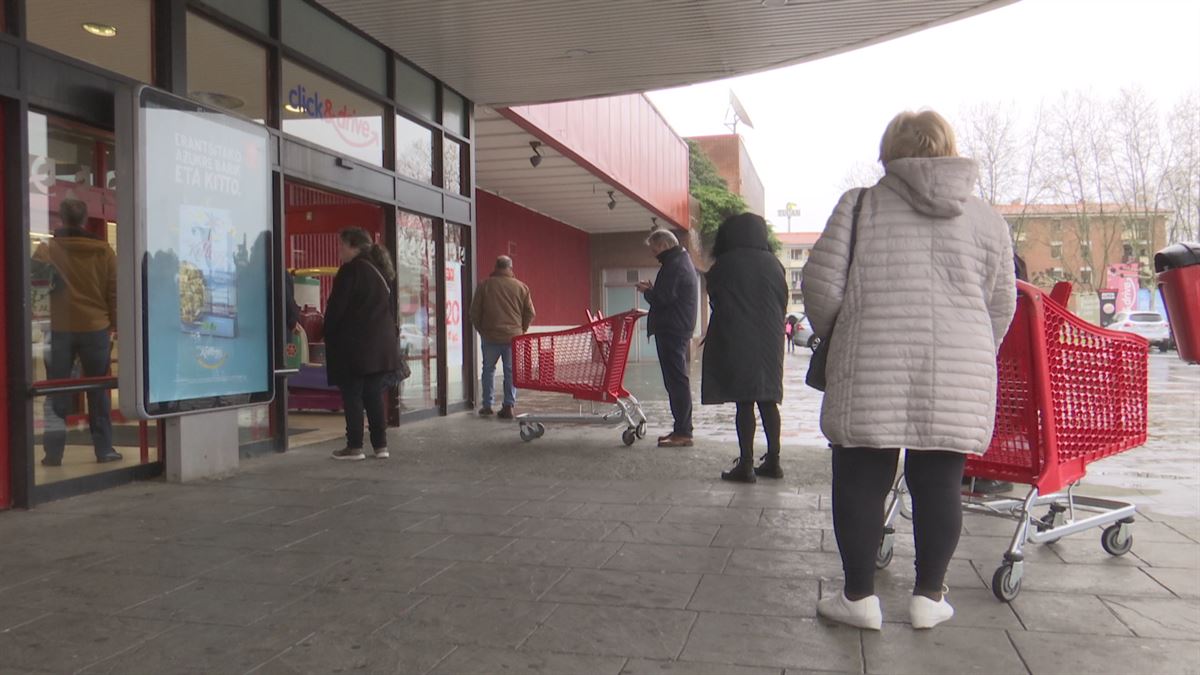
<point>587,362</point>
<point>1069,393</point>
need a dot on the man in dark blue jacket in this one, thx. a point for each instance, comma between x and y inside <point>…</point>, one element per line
<point>673,298</point>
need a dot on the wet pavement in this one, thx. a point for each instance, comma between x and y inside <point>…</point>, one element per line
<point>471,551</point>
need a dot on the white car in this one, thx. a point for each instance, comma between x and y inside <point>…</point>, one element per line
<point>1150,325</point>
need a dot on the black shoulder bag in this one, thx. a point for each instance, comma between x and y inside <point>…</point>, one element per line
<point>403,370</point>
<point>816,365</point>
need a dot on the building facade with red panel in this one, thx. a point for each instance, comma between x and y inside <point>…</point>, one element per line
<point>373,122</point>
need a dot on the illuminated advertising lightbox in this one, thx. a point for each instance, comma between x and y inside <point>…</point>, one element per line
<point>195,246</point>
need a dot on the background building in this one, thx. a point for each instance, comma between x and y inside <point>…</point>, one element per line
<point>728,153</point>
<point>1080,242</point>
<point>797,246</point>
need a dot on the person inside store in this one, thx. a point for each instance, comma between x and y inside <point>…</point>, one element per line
<point>673,297</point>
<point>921,241</point>
<point>743,359</point>
<point>80,270</point>
<point>501,309</point>
<point>361,343</point>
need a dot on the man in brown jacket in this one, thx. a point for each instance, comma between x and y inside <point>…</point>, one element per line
<point>81,271</point>
<point>501,310</point>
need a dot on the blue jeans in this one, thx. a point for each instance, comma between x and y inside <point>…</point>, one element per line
<point>93,351</point>
<point>493,352</point>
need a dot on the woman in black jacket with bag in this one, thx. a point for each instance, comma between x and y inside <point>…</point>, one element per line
<point>360,339</point>
<point>743,355</point>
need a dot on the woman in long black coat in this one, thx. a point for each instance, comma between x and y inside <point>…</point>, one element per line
<point>743,351</point>
<point>360,339</point>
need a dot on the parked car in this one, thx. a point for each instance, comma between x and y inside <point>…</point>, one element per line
<point>802,333</point>
<point>1150,325</point>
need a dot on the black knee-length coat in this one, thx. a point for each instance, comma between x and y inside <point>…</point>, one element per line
<point>360,323</point>
<point>743,349</point>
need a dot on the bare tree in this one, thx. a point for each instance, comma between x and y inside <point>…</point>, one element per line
<point>1011,156</point>
<point>1139,172</point>
<point>1183,170</point>
<point>1082,155</point>
<point>861,174</point>
<point>987,132</point>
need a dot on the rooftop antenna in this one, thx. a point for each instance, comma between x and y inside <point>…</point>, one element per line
<point>736,113</point>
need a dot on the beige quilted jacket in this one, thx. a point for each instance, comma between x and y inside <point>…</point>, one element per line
<point>928,300</point>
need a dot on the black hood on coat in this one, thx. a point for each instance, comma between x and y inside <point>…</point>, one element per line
<point>746,230</point>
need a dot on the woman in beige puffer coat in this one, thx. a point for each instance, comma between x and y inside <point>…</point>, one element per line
<point>920,313</point>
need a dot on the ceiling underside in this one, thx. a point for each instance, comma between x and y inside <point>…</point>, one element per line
<point>510,52</point>
<point>558,187</point>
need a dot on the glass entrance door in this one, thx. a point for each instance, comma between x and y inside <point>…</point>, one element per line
<point>78,427</point>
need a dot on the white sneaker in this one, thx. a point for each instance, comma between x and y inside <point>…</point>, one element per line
<point>381,453</point>
<point>863,613</point>
<point>926,613</point>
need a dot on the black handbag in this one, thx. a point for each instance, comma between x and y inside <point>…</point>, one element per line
<point>403,370</point>
<point>820,356</point>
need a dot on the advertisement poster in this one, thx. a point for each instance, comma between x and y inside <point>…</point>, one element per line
<point>1123,277</point>
<point>454,314</point>
<point>208,253</point>
<point>1108,305</point>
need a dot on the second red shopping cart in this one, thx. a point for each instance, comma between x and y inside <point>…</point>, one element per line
<point>587,362</point>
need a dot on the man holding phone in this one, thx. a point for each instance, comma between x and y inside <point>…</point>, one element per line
<point>673,298</point>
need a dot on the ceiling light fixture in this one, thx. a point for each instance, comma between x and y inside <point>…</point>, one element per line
<point>612,200</point>
<point>293,109</point>
<point>536,159</point>
<point>103,30</point>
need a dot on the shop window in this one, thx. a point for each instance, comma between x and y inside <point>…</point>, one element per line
<point>225,70</point>
<point>73,298</point>
<point>254,13</point>
<point>317,110</point>
<point>326,40</point>
<point>414,150</point>
<point>454,112</point>
<point>416,91</point>
<point>416,294</point>
<point>457,240</point>
<point>112,34</point>
<point>452,166</point>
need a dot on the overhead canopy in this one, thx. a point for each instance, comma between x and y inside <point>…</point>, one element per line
<point>510,52</point>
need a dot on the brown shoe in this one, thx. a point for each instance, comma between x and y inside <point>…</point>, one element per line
<point>674,441</point>
<point>506,413</point>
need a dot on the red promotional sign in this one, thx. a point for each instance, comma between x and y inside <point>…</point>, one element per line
<point>1123,277</point>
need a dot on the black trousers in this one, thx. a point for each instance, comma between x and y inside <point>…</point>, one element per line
<point>673,353</point>
<point>862,478</point>
<point>769,411</point>
<point>364,392</point>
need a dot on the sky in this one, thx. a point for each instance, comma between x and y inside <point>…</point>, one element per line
<point>814,122</point>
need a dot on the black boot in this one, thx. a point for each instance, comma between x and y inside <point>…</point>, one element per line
<point>742,472</point>
<point>770,467</point>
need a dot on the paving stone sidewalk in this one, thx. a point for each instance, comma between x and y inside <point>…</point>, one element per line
<point>299,564</point>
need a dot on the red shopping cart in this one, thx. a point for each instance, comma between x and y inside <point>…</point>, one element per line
<point>1069,393</point>
<point>587,362</point>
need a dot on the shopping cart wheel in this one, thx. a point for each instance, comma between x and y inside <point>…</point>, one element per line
<point>883,557</point>
<point>1004,586</point>
<point>1117,539</point>
<point>641,429</point>
<point>629,436</point>
<point>532,431</point>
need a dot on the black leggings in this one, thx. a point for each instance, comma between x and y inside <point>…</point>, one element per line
<point>769,410</point>
<point>862,478</point>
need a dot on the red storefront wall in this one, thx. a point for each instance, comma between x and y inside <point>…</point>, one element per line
<point>551,257</point>
<point>622,139</point>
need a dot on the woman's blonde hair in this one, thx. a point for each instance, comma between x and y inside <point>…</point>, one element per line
<point>917,134</point>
